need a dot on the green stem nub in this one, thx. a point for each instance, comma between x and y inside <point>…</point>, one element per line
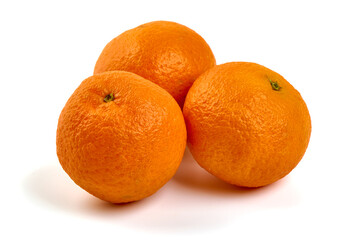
<point>108,98</point>
<point>275,86</point>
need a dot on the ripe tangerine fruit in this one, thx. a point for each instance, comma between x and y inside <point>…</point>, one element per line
<point>246,124</point>
<point>120,137</point>
<point>166,53</point>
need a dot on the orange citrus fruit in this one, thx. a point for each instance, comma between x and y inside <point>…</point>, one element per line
<point>166,53</point>
<point>246,124</point>
<point>120,137</point>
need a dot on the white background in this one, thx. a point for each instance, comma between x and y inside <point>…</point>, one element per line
<point>47,48</point>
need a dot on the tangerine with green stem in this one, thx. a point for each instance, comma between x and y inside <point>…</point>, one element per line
<point>246,124</point>
<point>120,137</point>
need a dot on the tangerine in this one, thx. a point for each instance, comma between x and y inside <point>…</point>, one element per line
<point>166,53</point>
<point>120,137</point>
<point>246,124</point>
